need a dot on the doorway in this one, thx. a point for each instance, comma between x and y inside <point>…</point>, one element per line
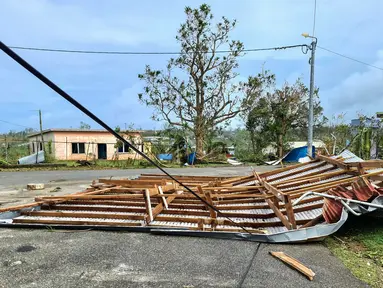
<point>101,151</point>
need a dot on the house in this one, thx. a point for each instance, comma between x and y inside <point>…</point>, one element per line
<point>80,144</point>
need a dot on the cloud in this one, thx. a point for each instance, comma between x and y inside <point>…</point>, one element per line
<point>359,92</point>
<point>107,84</point>
<point>127,109</point>
<point>50,21</point>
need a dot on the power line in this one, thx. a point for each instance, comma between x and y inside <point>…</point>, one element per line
<point>146,53</point>
<point>66,96</point>
<point>14,124</point>
<point>350,58</point>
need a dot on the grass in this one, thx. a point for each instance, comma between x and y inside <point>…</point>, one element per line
<point>359,245</point>
<point>109,164</point>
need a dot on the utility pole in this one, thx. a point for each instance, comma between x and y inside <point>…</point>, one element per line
<point>42,137</point>
<point>41,129</point>
<point>312,47</point>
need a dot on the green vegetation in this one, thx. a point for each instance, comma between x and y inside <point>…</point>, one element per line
<point>359,245</point>
<point>198,90</point>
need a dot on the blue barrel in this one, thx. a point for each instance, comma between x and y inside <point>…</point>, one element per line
<point>191,158</point>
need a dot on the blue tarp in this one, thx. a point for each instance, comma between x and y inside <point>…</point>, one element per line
<point>165,157</point>
<point>191,158</point>
<point>296,153</point>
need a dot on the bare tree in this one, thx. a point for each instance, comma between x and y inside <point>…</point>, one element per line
<point>197,91</point>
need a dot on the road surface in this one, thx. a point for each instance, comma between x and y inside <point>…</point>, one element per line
<point>48,258</point>
<point>16,180</point>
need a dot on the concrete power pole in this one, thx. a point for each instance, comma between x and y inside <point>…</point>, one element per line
<point>311,97</point>
<point>42,137</point>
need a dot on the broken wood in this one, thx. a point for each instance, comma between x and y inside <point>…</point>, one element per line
<point>294,263</point>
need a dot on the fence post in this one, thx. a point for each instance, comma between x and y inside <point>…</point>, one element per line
<point>6,149</point>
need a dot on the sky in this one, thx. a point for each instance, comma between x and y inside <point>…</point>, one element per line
<point>108,84</point>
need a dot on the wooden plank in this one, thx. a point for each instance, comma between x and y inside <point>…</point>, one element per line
<point>90,197</point>
<point>207,197</point>
<point>368,163</point>
<point>160,191</point>
<point>276,192</point>
<point>75,222</point>
<point>232,188</point>
<point>236,179</point>
<point>290,167</point>
<point>160,206</point>
<point>148,206</point>
<point>19,207</point>
<point>290,211</point>
<point>183,176</point>
<point>47,213</point>
<point>224,222</point>
<point>311,179</point>
<point>94,208</point>
<point>313,222</point>
<point>278,213</point>
<point>292,173</point>
<point>294,263</point>
<point>322,186</point>
<point>333,161</point>
<point>38,203</point>
<point>308,176</point>
<point>325,186</point>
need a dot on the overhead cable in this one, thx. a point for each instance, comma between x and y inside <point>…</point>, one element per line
<point>350,58</point>
<point>147,53</point>
<point>75,103</point>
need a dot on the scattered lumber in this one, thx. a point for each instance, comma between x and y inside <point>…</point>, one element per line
<point>294,263</point>
<point>260,202</point>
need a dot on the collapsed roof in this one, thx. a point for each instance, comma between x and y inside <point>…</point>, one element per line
<point>275,206</point>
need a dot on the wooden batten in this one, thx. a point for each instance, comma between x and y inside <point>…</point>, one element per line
<point>148,206</point>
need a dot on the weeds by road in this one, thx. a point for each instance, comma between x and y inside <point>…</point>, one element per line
<point>359,245</point>
<point>108,164</point>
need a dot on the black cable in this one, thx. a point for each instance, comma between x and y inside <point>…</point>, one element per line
<point>243,278</point>
<point>66,96</point>
<point>350,58</point>
<point>145,53</point>
<point>14,124</point>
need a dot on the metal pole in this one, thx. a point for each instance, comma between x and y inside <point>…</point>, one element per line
<point>311,100</point>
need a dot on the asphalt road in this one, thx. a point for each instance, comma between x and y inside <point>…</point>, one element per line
<point>42,258</point>
<point>46,258</point>
<point>18,179</point>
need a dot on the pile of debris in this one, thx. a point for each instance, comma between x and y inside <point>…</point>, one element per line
<point>306,201</point>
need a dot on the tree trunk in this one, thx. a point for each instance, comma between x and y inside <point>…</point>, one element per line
<point>252,141</point>
<point>280,145</point>
<point>199,137</point>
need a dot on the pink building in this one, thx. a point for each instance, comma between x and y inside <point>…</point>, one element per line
<point>79,144</point>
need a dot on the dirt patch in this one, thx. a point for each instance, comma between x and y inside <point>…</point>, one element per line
<point>356,247</point>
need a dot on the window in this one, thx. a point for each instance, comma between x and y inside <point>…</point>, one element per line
<point>124,149</point>
<point>37,146</point>
<point>78,148</point>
